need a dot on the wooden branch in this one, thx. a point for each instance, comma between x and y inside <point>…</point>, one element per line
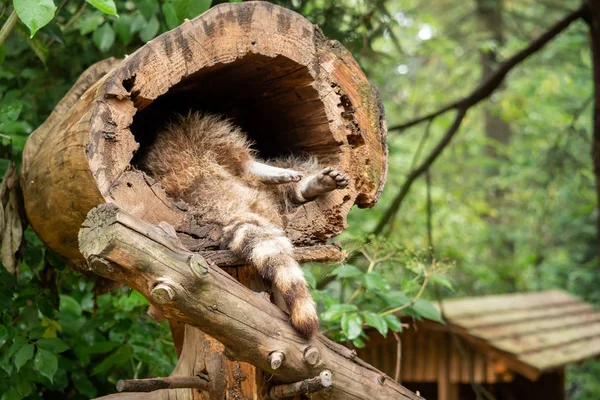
<point>495,79</point>
<point>415,173</point>
<point>185,287</point>
<point>171,382</point>
<point>318,253</point>
<point>311,385</point>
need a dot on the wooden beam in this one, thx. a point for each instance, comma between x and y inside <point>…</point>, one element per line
<point>187,288</point>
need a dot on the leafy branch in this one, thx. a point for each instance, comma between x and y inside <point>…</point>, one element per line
<point>462,106</point>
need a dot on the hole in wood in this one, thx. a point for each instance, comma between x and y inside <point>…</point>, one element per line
<point>270,98</point>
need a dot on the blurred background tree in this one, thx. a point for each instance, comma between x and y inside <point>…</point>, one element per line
<point>509,205</point>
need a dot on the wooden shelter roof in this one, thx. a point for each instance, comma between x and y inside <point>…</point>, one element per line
<point>536,331</point>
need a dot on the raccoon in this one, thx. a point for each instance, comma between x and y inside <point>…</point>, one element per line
<point>208,162</point>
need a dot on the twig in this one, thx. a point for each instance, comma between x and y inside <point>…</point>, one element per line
<point>372,264</point>
<point>410,303</point>
<point>392,217</point>
<point>8,26</point>
<point>171,382</point>
<point>414,174</point>
<point>398,357</point>
<point>311,385</point>
<point>75,16</point>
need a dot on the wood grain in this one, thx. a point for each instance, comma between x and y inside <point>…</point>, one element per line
<point>122,247</point>
<point>268,68</point>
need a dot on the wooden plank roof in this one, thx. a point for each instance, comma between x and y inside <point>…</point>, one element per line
<point>539,331</point>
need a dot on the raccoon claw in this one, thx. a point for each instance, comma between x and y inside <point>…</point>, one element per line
<point>331,179</point>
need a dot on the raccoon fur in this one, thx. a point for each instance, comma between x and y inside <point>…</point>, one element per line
<point>206,161</point>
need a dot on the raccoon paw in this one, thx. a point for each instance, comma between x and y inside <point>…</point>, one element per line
<point>331,179</point>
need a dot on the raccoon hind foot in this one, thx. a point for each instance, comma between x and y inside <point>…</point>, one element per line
<point>331,179</point>
<point>325,181</point>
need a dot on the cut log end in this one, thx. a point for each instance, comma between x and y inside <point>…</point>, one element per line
<point>267,68</point>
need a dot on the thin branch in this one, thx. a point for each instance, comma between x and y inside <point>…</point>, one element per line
<point>398,357</point>
<point>414,174</point>
<point>410,303</point>
<point>8,26</point>
<point>463,105</point>
<point>495,79</point>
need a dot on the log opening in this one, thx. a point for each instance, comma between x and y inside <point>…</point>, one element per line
<point>268,68</point>
<point>272,99</point>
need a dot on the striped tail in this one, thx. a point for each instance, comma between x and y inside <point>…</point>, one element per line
<point>267,248</point>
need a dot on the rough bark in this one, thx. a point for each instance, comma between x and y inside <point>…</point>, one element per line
<point>185,287</point>
<point>267,67</point>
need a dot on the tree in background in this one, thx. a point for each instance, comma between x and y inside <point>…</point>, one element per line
<point>518,214</point>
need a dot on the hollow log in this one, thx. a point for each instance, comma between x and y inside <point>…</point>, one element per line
<point>266,67</point>
<point>185,287</point>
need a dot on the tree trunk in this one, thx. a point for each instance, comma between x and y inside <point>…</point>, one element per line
<point>183,286</point>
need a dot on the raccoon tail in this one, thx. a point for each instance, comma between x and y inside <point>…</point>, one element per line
<point>267,248</point>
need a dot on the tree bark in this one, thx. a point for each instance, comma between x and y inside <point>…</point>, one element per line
<point>183,286</point>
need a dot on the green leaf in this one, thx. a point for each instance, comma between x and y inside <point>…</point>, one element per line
<point>190,8</point>
<point>106,6</point>
<point>35,14</point>
<point>393,322</point>
<point>170,15</point>
<point>442,281</point>
<point>337,310</point>
<point>46,363</point>
<point>69,305</point>
<point>310,278</point>
<point>24,354</point>
<point>123,28</point>
<point>10,112</point>
<point>54,32</point>
<point>149,32</point>
<point>197,7</point>
<point>358,342</point>
<point>90,22</point>
<point>121,356</point>
<point>148,8</point>
<point>2,54</point>
<point>12,394</point>
<point>427,310</point>
<point>375,282</point>
<point>376,321</point>
<point>346,271</point>
<point>3,335</point>
<point>104,37</point>
<point>396,298</point>
<point>83,384</point>
<point>352,325</point>
<point>54,344</point>
<point>138,23</point>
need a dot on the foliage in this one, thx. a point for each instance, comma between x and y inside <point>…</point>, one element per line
<point>70,341</point>
<point>359,297</point>
<point>511,216</point>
